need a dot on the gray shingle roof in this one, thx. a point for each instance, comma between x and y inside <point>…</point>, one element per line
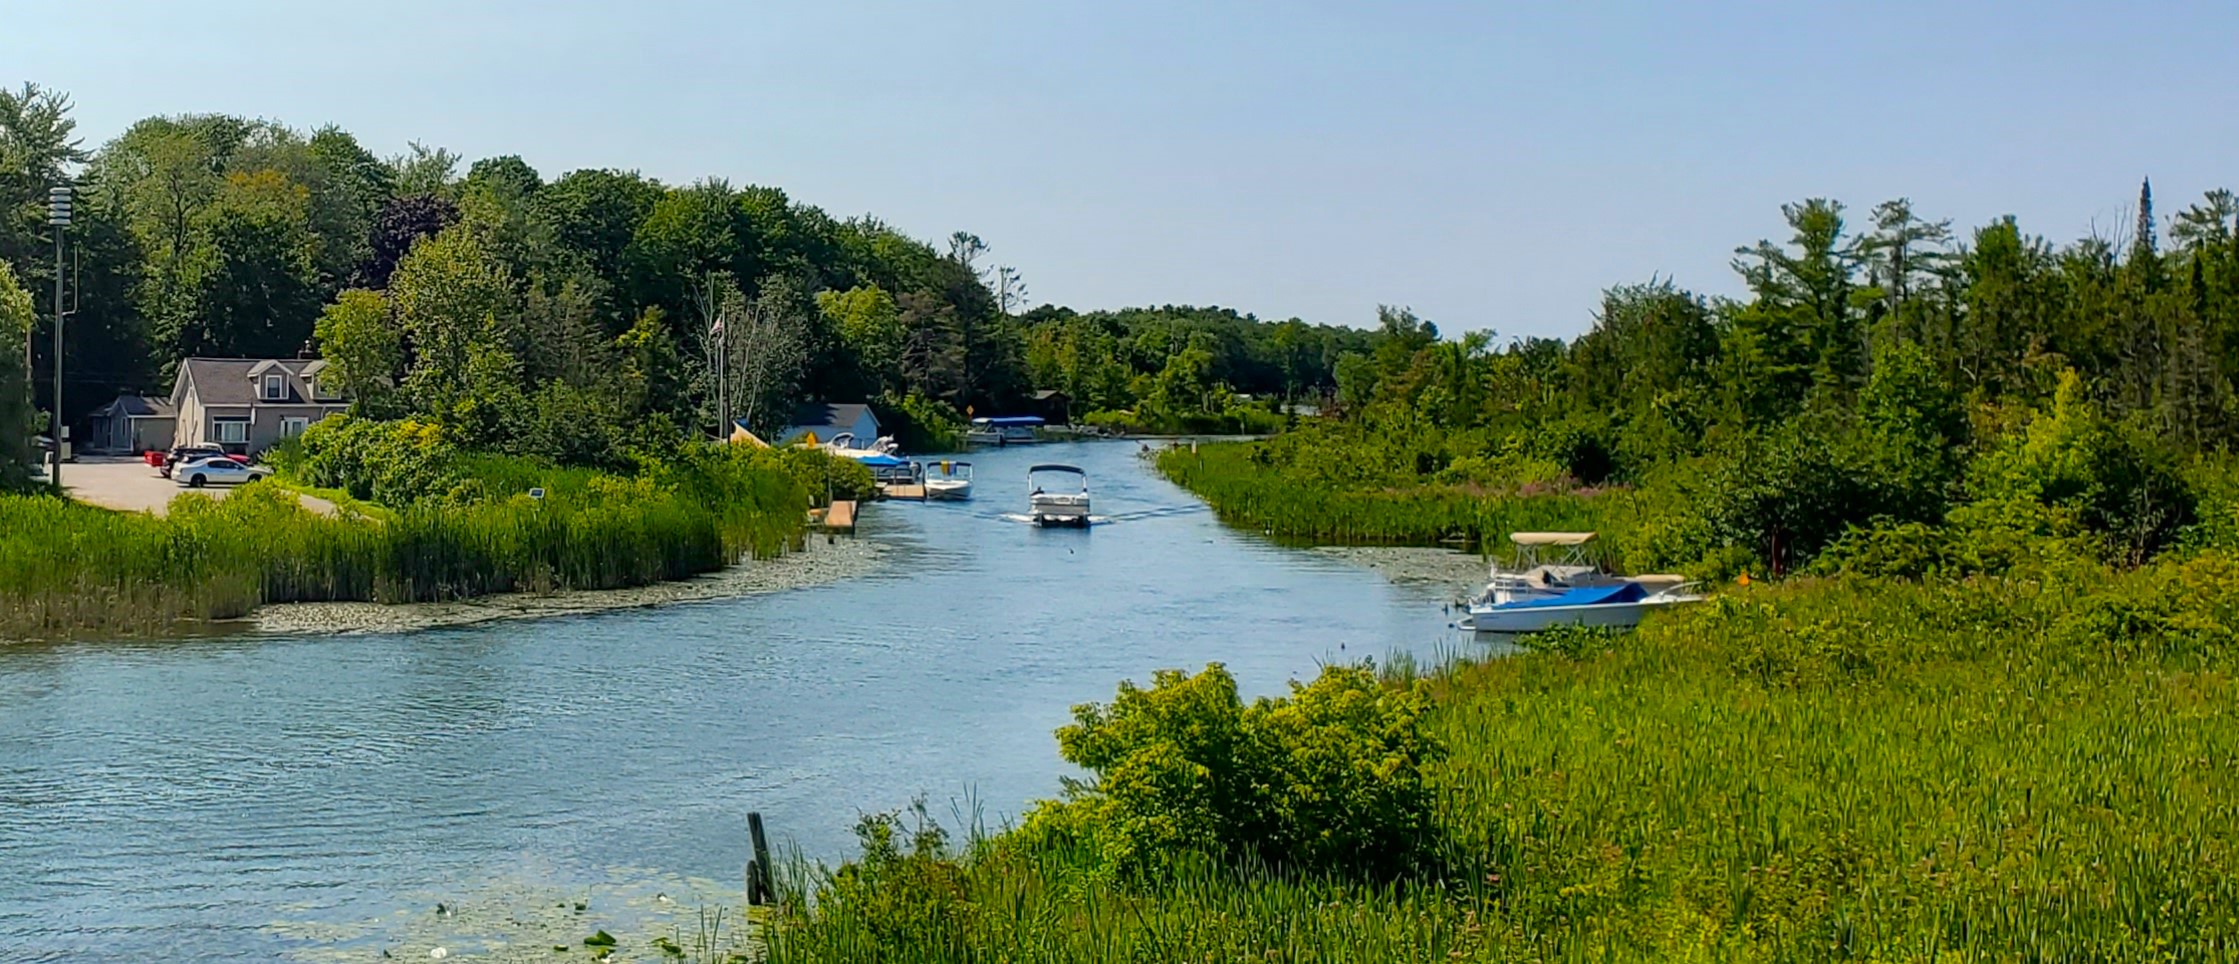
<point>138,406</point>
<point>225,381</point>
<point>836,416</point>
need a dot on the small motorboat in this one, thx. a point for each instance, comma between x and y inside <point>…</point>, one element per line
<point>845,444</point>
<point>1048,508</point>
<point>947,480</point>
<point>1550,564</point>
<point>1614,606</point>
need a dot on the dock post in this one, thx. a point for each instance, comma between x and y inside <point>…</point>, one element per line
<point>758,880</point>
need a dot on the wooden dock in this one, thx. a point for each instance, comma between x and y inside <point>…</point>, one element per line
<point>908,492</point>
<point>839,518</point>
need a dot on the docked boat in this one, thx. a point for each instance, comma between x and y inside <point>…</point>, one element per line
<point>947,480</point>
<point>1617,605</point>
<point>1004,430</point>
<point>891,469</point>
<point>1054,508</point>
<point>846,444</point>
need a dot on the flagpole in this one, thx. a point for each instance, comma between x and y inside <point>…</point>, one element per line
<point>722,381</point>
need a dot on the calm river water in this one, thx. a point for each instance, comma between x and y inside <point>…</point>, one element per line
<point>235,798</point>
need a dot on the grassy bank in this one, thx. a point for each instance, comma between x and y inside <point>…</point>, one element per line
<point>1991,769</point>
<point>1247,491</point>
<point>67,568</point>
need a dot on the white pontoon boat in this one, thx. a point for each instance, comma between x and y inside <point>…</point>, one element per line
<point>1047,508</point>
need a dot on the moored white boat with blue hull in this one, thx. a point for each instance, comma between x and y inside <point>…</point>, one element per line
<point>1047,508</point>
<point>1615,606</point>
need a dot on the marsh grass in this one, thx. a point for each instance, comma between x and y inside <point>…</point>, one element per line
<point>67,568</point>
<point>1261,499</point>
<point>2043,766</point>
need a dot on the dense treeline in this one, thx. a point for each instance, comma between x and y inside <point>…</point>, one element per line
<point>573,317</point>
<point>1892,376</point>
<point>1179,368</point>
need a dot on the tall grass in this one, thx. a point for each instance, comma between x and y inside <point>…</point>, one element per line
<point>1254,496</point>
<point>2031,767</point>
<point>68,568</point>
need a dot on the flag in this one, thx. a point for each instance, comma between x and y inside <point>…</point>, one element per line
<point>717,328</point>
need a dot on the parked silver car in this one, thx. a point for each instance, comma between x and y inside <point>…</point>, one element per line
<point>216,470</point>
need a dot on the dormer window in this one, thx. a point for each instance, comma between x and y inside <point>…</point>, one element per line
<point>275,387</point>
<point>321,391</point>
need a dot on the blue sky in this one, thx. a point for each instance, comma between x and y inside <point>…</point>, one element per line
<point>1492,165</point>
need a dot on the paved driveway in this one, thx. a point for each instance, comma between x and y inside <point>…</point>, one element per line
<point>131,485</point>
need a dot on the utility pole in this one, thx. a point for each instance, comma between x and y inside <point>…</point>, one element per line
<point>58,216</point>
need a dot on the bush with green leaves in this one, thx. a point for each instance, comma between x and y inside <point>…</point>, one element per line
<point>1327,780</point>
<point>394,463</point>
<point>2120,482</point>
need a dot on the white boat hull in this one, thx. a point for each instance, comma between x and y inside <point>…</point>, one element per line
<point>1532,619</point>
<point>948,488</point>
<point>1060,510</point>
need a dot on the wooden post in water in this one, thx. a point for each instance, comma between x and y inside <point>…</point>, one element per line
<point>758,883</point>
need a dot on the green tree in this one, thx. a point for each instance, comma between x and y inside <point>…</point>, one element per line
<point>16,412</point>
<point>452,297</point>
<point>869,325</point>
<point>258,283</point>
<point>363,349</point>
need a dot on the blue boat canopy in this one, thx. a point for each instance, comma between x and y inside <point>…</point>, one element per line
<point>882,461</point>
<point>1009,421</point>
<point>1623,592</point>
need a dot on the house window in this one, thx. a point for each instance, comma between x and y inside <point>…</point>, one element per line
<point>275,387</point>
<point>292,427</point>
<point>320,391</point>
<point>231,430</point>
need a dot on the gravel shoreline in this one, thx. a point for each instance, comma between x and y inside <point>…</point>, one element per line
<point>821,562</point>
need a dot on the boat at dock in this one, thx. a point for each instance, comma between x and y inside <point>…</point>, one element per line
<point>1046,508</point>
<point>1004,430</point>
<point>947,480</point>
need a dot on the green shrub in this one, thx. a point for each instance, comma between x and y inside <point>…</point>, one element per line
<point>2119,482</point>
<point>1326,780</point>
<point>393,463</point>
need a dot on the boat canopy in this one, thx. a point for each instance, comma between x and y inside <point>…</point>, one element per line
<point>881,461</point>
<point>1009,421</point>
<point>1550,538</point>
<point>1054,467</point>
<point>1623,592</point>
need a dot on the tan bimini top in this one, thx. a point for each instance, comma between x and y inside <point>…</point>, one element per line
<point>1550,538</point>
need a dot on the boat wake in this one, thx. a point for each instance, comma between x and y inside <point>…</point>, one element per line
<point>1094,520</point>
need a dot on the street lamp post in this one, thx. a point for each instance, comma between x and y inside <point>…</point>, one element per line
<point>58,216</point>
